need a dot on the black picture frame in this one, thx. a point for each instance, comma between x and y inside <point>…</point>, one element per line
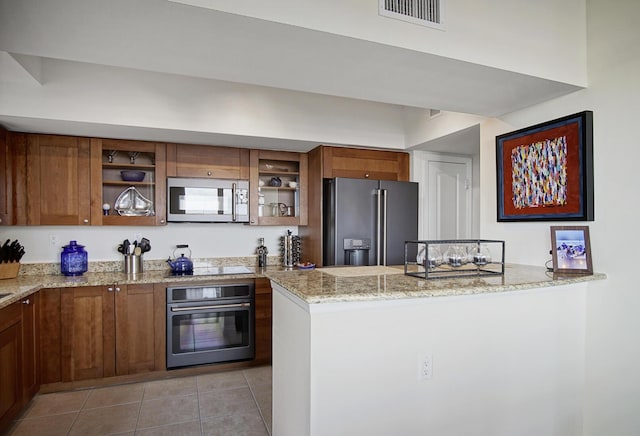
<point>571,250</point>
<point>545,172</point>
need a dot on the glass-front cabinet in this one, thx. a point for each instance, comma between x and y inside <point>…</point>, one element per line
<point>128,185</point>
<point>278,184</point>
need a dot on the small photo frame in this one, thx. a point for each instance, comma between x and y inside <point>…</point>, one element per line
<point>571,249</point>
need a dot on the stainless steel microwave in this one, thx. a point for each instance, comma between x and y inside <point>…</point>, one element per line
<point>207,200</point>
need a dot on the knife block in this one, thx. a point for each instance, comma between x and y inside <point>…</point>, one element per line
<point>9,270</point>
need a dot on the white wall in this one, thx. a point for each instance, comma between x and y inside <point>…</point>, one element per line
<point>204,240</point>
<point>504,364</point>
<point>613,325</point>
<point>474,31</point>
<point>89,93</point>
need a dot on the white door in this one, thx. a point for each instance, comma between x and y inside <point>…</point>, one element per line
<point>447,195</point>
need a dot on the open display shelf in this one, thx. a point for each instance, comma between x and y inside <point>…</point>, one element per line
<point>277,181</point>
<point>130,202</point>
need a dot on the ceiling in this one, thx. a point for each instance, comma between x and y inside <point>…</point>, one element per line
<point>166,37</point>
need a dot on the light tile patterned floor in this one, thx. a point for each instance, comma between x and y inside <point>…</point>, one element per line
<point>229,403</point>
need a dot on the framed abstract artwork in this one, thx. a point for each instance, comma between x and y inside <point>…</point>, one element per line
<point>571,249</point>
<point>545,172</point>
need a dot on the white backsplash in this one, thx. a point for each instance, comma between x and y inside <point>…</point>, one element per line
<point>205,240</point>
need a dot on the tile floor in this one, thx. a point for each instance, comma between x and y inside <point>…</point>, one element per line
<point>229,403</point>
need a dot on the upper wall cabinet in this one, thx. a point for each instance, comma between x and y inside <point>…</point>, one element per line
<point>278,186</point>
<point>128,182</point>
<point>364,164</point>
<point>5,179</point>
<point>58,180</point>
<point>207,161</point>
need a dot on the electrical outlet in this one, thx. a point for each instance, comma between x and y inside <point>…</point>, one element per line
<point>53,241</point>
<point>425,366</point>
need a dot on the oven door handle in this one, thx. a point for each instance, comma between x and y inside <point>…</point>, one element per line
<point>219,306</point>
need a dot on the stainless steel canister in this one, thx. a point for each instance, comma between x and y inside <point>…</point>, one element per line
<point>133,263</point>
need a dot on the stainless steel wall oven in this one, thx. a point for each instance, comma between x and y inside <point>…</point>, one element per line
<point>210,324</point>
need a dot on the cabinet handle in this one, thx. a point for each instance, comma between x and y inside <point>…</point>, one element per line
<point>86,221</point>
<point>366,175</point>
<point>0,220</point>
<point>26,301</point>
<point>162,221</point>
<point>117,289</point>
<point>208,173</point>
<point>110,289</point>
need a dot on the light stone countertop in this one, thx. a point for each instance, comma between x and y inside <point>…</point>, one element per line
<point>320,286</point>
<point>25,285</point>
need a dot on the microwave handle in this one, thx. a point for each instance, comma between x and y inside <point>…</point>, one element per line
<point>233,202</point>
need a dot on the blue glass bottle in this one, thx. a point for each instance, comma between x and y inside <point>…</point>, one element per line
<point>73,259</point>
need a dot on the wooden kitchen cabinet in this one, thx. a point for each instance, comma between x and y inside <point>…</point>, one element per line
<point>50,336</point>
<point>19,376</point>
<point>184,160</point>
<point>283,205</point>
<point>359,163</point>
<point>131,203</point>
<point>140,328</point>
<point>87,318</point>
<point>5,178</point>
<point>330,162</point>
<point>30,347</point>
<point>11,395</point>
<point>110,330</point>
<point>263,310</point>
<point>58,180</point>
<point>13,198</point>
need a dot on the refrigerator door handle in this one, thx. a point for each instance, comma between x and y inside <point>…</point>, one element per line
<point>384,227</point>
<point>378,224</point>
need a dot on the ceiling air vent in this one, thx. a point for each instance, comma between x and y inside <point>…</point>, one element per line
<point>424,12</point>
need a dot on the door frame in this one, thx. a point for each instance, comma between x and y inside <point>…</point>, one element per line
<point>420,168</point>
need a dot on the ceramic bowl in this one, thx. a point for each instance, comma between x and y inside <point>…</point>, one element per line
<point>132,176</point>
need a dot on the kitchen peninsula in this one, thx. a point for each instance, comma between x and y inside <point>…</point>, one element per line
<point>369,350</point>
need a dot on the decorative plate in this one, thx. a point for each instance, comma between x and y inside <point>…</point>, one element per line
<point>306,265</point>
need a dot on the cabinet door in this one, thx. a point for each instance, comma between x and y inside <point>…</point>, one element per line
<point>30,347</point>
<point>5,179</point>
<point>365,164</point>
<point>185,160</point>
<point>131,203</point>
<point>139,322</point>
<point>16,176</point>
<point>50,336</point>
<point>263,321</point>
<point>58,180</point>
<point>88,332</point>
<point>10,364</point>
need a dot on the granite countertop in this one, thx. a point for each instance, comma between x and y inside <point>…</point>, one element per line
<point>25,285</point>
<point>323,285</point>
<point>329,285</point>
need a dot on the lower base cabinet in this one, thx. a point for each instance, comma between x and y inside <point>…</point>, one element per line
<point>19,375</point>
<point>101,331</point>
<point>10,364</point>
<point>263,332</point>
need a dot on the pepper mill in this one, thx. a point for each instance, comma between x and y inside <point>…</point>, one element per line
<point>262,253</point>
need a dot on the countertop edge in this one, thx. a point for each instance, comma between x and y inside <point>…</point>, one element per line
<point>421,288</point>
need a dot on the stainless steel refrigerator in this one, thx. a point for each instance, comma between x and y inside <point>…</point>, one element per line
<point>366,222</point>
